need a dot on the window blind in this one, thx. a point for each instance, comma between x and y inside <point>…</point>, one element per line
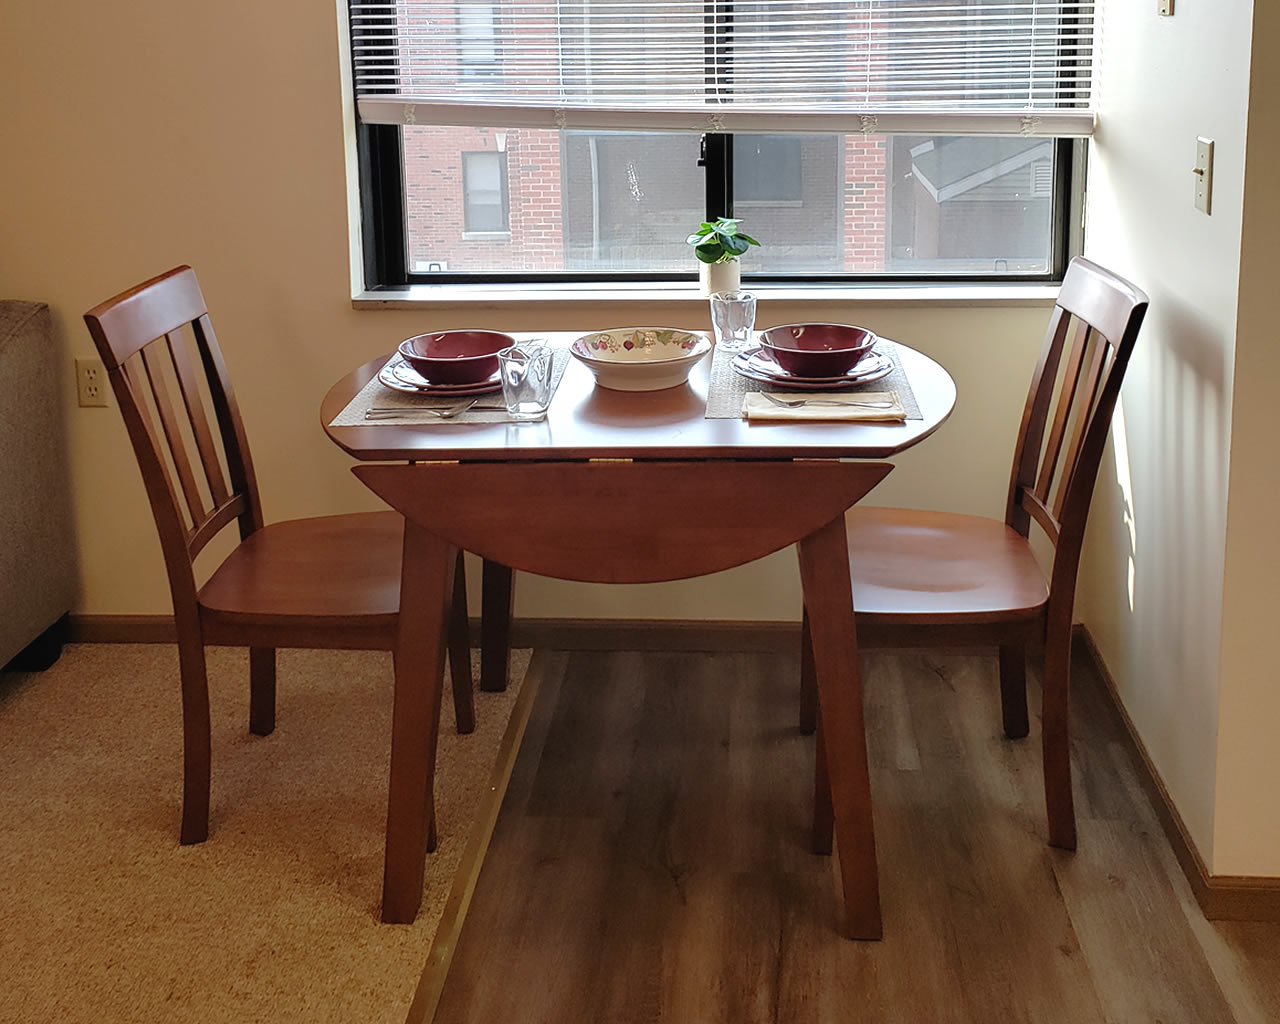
<point>1013,67</point>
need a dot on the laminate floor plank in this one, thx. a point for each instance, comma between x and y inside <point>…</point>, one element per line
<point>651,864</point>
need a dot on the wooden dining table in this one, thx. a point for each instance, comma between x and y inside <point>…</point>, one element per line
<point>627,487</point>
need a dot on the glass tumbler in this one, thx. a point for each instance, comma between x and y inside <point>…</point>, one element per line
<point>526,380</point>
<point>733,316</point>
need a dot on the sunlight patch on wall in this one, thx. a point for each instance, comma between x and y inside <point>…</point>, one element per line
<point>1120,442</point>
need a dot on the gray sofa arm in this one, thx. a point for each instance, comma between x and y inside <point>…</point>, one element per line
<point>37,543</point>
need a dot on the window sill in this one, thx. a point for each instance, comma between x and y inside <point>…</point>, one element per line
<point>424,296</point>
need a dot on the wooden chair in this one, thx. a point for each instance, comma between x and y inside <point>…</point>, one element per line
<point>942,579</point>
<point>329,582</point>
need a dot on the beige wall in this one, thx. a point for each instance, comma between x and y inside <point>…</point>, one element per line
<point>1152,588</point>
<point>148,150</point>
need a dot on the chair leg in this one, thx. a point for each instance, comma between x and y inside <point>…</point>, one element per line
<point>464,708</point>
<point>1057,742</point>
<point>1013,690</point>
<point>808,687</point>
<point>823,812</point>
<point>195,739</point>
<point>262,690</point>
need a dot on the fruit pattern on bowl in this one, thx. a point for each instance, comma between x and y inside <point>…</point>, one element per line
<point>639,343</point>
<point>640,358</point>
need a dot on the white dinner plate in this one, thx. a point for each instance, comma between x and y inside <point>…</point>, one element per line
<point>751,364</point>
<point>400,376</point>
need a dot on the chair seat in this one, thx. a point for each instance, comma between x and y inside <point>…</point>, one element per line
<point>329,571</point>
<point>919,567</point>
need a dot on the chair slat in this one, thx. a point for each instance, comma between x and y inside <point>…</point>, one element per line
<point>1041,513</point>
<point>1026,459</point>
<point>155,366</point>
<point>243,478</point>
<point>138,386</point>
<point>1070,378</point>
<point>223,514</point>
<point>199,421</point>
<point>1088,398</point>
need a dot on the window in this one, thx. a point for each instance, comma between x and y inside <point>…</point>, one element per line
<point>599,135</point>
<point>484,192</point>
<point>769,168</point>
<point>477,39</point>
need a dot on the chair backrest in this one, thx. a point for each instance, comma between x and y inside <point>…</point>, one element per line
<point>198,481</point>
<point>1086,350</point>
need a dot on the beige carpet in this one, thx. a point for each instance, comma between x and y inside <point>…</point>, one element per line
<point>104,917</point>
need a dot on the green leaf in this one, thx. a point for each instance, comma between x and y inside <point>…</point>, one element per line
<point>719,241</point>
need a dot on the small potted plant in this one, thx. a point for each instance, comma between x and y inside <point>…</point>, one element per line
<point>718,244</point>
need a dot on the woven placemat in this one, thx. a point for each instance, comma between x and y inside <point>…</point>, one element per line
<point>728,386</point>
<point>417,408</point>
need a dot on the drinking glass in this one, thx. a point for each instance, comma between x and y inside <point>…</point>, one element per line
<point>733,316</point>
<point>526,379</point>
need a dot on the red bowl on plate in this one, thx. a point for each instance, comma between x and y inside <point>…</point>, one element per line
<point>455,357</point>
<point>817,350</point>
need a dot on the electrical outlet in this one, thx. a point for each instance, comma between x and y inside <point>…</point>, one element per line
<point>91,383</point>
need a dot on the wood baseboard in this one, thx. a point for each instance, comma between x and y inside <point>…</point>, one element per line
<point>1221,897</point>
<point>122,629</point>
<point>652,635</point>
<point>542,634</point>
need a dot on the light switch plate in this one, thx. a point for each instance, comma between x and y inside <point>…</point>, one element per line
<point>1165,7</point>
<point>1204,173</point>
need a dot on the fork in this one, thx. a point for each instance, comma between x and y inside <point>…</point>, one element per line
<point>799,403</point>
<point>390,412</point>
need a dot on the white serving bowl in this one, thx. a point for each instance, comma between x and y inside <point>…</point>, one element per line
<point>641,358</point>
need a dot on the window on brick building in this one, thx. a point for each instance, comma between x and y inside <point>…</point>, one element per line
<point>484,192</point>
<point>944,147</point>
<point>770,168</point>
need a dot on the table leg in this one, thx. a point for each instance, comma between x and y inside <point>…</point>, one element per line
<point>425,586</point>
<point>808,692</point>
<point>464,706</point>
<point>828,596</point>
<point>495,626</point>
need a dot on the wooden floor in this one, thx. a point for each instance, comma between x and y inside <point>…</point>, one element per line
<point>650,864</point>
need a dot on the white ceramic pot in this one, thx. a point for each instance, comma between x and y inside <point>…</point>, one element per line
<point>720,277</point>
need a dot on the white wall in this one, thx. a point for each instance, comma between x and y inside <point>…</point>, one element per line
<point>1247,822</point>
<point>1152,581</point>
<point>152,146</point>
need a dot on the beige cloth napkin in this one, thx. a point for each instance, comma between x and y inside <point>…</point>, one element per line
<point>863,407</point>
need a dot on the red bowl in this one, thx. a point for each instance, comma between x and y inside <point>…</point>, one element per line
<point>817,350</point>
<point>455,357</point>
